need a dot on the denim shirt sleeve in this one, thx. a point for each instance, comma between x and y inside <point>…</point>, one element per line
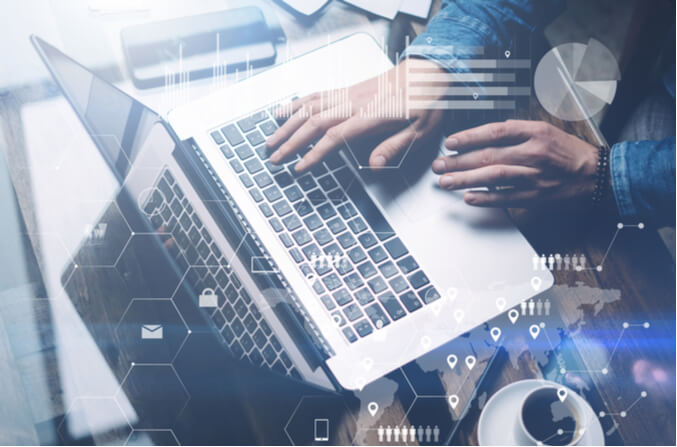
<point>643,180</point>
<point>462,26</point>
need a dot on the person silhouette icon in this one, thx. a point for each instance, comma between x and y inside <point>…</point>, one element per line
<point>551,262</point>
<point>396,432</point>
<point>531,308</point>
<point>574,262</point>
<point>567,261</point>
<point>582,261</point>
<point>539,307</point>
<point>380,432</point>
<point>389,433</point>
<point>420,433</point>
<point>544,261</point>
<point>523,307</point>
<point>412,434</point>
<point>428,433</point>
<point>436,434</point>
<point>547,307</point>
<point>536,261</point>
<point>558,261</point>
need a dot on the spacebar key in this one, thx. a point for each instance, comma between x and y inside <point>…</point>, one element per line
<point>369,211</point>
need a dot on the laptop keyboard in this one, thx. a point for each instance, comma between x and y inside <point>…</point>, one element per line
<point>359,269</point>
<point>236,317</point>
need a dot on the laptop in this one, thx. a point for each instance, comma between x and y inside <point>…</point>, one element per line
<point>335,277</point>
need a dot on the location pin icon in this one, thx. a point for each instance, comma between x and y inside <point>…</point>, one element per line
<point>507,54</point>
<point>536,283</point>
<point>513,315</point>
<point>470,362</point>
<point>500,303</point>
<point>373,408</point>
<point>562,394</point>
<point>453,401</point>
<point>495,333</point>
<point>452,360</point>
<point>534,330</point>
<point>475,95</point>
<point>458,315</point>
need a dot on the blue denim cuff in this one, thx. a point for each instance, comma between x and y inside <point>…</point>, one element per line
<point>620,180</point>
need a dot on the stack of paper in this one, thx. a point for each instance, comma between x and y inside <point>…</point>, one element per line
<point>390,8</point>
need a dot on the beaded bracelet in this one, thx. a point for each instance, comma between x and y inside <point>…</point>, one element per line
<point>601,175</point>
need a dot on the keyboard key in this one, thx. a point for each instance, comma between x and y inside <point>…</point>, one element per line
<point>286,240</point>
<point>349,334</point>
<point>250,323</point>
<point>306,182</point>
<point>244,152</point>
<point>246,124</point>
<point>346,240</point>
<point>410,301</point>
<point>407,265</point>
<point>312,252</point>
<point>237,350</point>
<point>292,222</point>
<point>326,211</point>
<point>282,208</point>
<point>313,222</point>
<point>246,180</point>
<point>357,255</point>
<point>377,284</point>
<point>429,294</point>
<point>318,170</point>
<point>276,343</point>
<point>233,135</point>
<point>273,169</point>
<point>392,305</point>
<point>345,177</point>
<point>334,161</point>
<point>377,254</point>
<point>256,195</point>
<point>333,250</point>
<point>369,211</point>
<point>364,296</point>
<point>269,354</point>
<point>268,128</point>
<point>328,302</point>
<point>388,269</point>
<point>279,368</point>
<point>327,183</point>
<point>352,312</point>
<point>227,334</point>
<point>227,151</point>
<point>344,267</point>
<point>418,279</point>
<point>363,328</point>
<point>332,281</point>
<point>286,361</point>
<point>337,196</point>
<point>236,165</point>
<point>353,281</point>
<point>263,152</point>
<point>396,248</point>
<point>301,237</point>
<point>272,193</point>
<point>284,179</point>
<point>228,312</point>
<point>377,316</point>
<point>216,136</point>
<point>398,284</point>
<point>255,357</point>
<point>342,297</point>
<point>336,225</point>
<point>303,208</point>
<point>296,254</point>
<point>260,338</point>
<point>276,224</point>
<point>263,179</point>
<point>241,310</point>
<point>266,329</point>
<point>253,165</point>
<point>347,210</point>
<point>246,342</point>
<point>322,236</point>
<point>255,138</point>
<point>237,327</point>
<point>265,209</point>
<point>366,269</point>
<point>316,197</point>
<point>357,225</point>
<point>293,193</point>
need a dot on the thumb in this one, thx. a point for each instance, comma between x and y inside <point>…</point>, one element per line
<point>385,154</point>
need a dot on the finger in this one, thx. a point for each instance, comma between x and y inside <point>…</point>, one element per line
<point>287,129</point>
<point>334,138</point>
<point>491,134</point>
<point>515,198</point>
<point>496,175</point>
<point>287,110</point>
<point>309,131</point>
<point>511,155</point>
<point>391,147</point>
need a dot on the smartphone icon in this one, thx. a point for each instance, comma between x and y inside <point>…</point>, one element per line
<point>322,429</point>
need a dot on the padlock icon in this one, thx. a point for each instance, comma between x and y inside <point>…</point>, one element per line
<point>208,298</point>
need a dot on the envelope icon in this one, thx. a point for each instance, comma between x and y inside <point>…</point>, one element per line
<point>151,332</point>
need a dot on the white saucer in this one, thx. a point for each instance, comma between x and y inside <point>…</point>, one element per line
<point>500,413</point>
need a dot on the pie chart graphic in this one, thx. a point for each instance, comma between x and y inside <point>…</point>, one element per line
<point>575,81</point>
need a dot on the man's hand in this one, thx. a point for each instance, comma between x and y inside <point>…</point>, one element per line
<point>522,162</point>
<point>337,121</point>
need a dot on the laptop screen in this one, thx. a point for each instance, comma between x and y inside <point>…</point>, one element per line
<point>118,124</point>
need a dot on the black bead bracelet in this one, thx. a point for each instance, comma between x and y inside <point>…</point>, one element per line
<point>601,175</point>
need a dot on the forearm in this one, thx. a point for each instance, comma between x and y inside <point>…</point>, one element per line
<point>643,180</point>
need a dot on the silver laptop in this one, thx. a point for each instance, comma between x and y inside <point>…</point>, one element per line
<point>337,276</point>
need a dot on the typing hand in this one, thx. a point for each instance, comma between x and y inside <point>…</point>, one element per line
<point>334,118</point>
<point>529,161</point>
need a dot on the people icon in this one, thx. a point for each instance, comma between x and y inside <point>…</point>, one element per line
<point>389,433</point>
<point>531,307</point>
<point>546,305</point>
<point>574,262</point>
<point>428,433</point>
<point>523,307</point>
<point>567,261</point>
<point>436,434</point>
<point>396,432</point>
<point>536,261</point>
<point>380,432</point>
<point>412,434</point>
<point>551,262</point>
<point>539,307</point>
<point>544,261</point>
<point>558,261</point>
<point>582,261</point>
<point>420,433</point>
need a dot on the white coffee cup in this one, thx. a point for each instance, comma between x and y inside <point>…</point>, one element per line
<point>531,408</point>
